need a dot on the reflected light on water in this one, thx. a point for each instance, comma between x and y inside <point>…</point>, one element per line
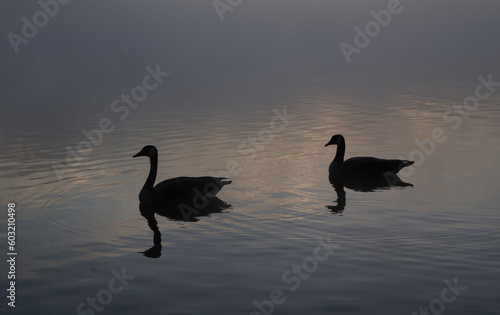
<point>280,198</point>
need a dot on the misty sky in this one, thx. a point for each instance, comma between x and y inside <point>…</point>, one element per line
<point>91,51</point>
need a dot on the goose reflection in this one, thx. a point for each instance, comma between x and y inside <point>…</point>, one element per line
<point>186,210</point>
<point>361,184</point>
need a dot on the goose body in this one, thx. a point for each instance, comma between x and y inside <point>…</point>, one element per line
<point>178,188</point>
<point>362,166</point>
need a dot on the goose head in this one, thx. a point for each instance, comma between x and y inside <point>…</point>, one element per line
<point>336,139</point>
<point>149,150</point>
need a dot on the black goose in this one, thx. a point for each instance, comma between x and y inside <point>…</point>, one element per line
<point>361,166</point>
<point>178,188</point>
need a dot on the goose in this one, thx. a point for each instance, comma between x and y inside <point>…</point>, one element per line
<point>178,188</point>
<point>366,167</point>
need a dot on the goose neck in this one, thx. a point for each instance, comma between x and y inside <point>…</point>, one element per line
<point>152,172</point>
<point>339,156</point>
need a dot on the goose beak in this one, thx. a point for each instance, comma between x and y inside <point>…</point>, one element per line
<point>138,154</point>
<point>334,140</point>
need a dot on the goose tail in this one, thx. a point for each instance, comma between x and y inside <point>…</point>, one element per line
<point>404,163</point>
<point>224,181</point>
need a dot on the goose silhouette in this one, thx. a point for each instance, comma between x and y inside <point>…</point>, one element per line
<point>178,188</point>
<point>361,167</point>
<point>362,184</point>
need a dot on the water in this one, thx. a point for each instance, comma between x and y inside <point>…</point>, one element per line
<point>391,250</point>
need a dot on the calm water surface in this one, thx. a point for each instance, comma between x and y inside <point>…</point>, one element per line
<point>392,250</point>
